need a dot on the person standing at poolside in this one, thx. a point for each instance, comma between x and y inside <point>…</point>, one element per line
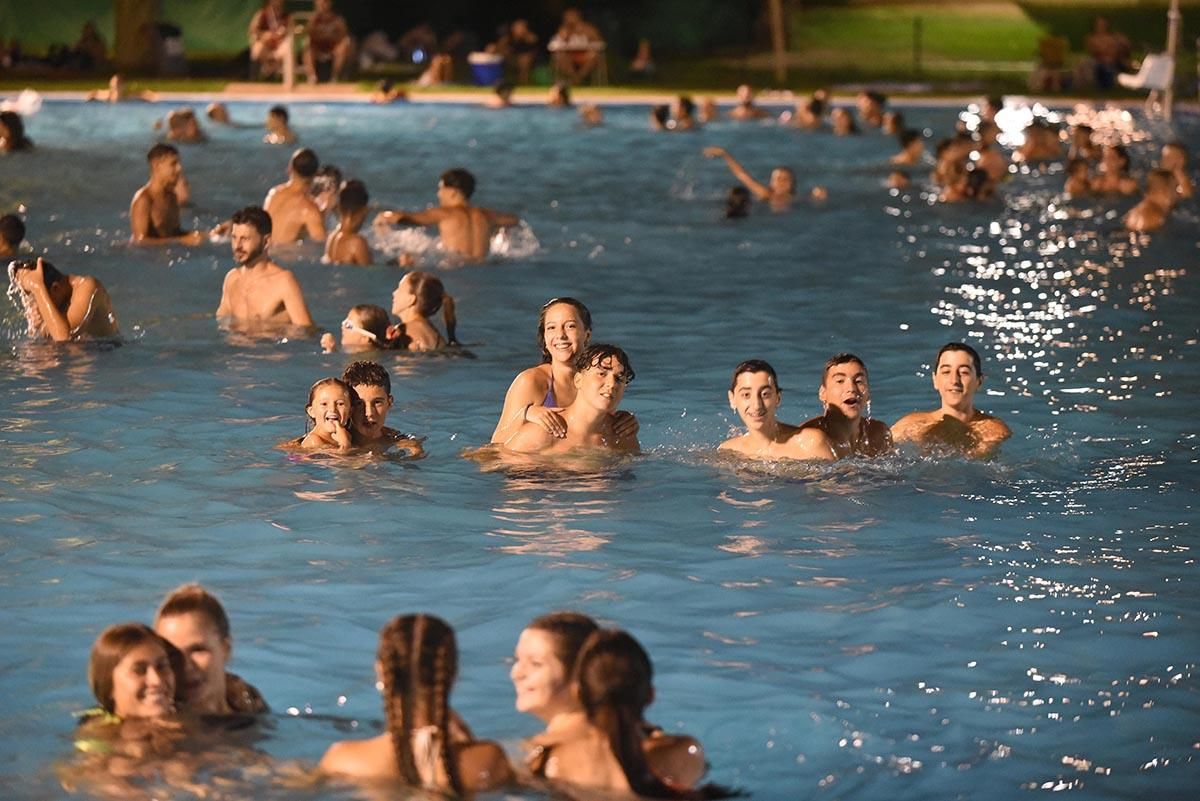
<point>154,211</point>
<point>373,391</point>
<point>193,620</point>
<point>63,307</point>
<point>755,395</point>
<point>957,376</point>
<point>463,228</point>
<point>294,213</point>
<point>601,375</point>
<point>258,291</point>
<point>844,429</point>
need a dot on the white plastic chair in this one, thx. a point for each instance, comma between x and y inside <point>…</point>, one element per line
<point>1156,74</point>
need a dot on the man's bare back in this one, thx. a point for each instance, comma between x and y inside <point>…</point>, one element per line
<point>294,214</point>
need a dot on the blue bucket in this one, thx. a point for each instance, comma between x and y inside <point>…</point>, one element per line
<point>486,68</point>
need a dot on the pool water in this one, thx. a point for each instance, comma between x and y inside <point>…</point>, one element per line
<point>904,628</point>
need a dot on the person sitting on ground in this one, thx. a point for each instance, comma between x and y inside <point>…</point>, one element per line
<point>559,96</point>
<point>365,328</point>
<point>1174,159</point>
<point>12,133</point>
<point>278,130</point>
<point>418,297</point>
<point>464,229</point>
<point>182,126</point>
<point>845,428</point>
<point>425,743</point>
<point>373,387</point>
<point>501,96</point>
<point>613,679</point>
<point>12,234</point>
<point>912,148</point>
<point>745,108</point>
<point>755,395</point>
<point>386,92</point>
<point>737,203</point>
<point>154,210</point>
<point>345,244</point>
<point>258,292</point>
<point>62,307</point>
<point>601,375</point>
<point>683,114</point>
<point>117,92</point>
<point>519,46</point>
<point>1113,176</point>
<point>1151,212</point>
<point>193,620</point>
<point>330,402</point>
<point>1079,178</point>
<point>1041,143</point>
<point>780,189</point>
<point>546,652</point>
<point>540,393</point>
<point>957,376</point>
<point>269,42</point>
<point>870,107</point>
<point>328,39</point>
<point>893,123</point>
<point>843,122</point>
<point>294,213</point>
<point>576,47</point>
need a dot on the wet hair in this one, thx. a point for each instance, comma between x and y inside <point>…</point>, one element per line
<point>50,274</point>
<point>279,111</point>
<point>193,598</point>
<point>12,229</point>
<point>687,105</point>
<point>594,355</point>
<point>431,295</point>
<point>111,647</point>
<point>1123,152</point>
<point>161,151</point>
<point>418,659</point>
<point>965,348</point>
<point>253,215</point>
<point>908,136</point>
<point>585,317</point>
<point>737,202</point>
<point>754,366</point>
<point>370,374</point>
<point>840,358</point>
<point>661,114</point>
<point>304,163</point>
<point>16,130</point>
<point>568,632</point>
<point>325,382</point>
<point>615,682</point>
<point>353,197</point>
<point>374,319</point>
<point>459,179</point>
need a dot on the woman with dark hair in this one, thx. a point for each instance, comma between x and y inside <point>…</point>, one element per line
<point>543,663</point>
<point>132,672</point>
<point>425,745</point>
<point>419,296</point>
<point>12,133</point>
<point>614,683</point>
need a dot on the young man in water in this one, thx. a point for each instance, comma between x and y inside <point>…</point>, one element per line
<point>259,292</point>
<point>602,373</point>
<point>63,307</point>
<point>1151,212</point>
<point>345,244</point>
<point>464,229</point>
<point>293,211</point>
<point>957,376</point>
<point>843,430</point>
<point>373,400</point>
<point>12,234</point>
<point>154,211</point>
<point>755,395</point>
<point>279,132</point>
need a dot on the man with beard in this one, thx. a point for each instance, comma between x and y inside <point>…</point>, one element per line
<point>259,292</point>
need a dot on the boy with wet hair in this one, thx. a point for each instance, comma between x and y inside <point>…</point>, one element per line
<point>294,213</point>
<point>154,210</point>
<point>345,244</point>
<point>12,233</point>
<point>62,307</point>
<point>846,427</point>
<point>278,130</point>
<point>373,400</point>
<point>755,395</point>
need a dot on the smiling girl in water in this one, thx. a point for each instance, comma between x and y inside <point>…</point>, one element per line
<point>329,403</point>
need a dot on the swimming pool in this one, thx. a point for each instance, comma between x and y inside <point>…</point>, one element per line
<point>907,628</point>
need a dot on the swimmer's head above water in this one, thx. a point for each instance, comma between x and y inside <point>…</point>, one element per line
<point>304,163</point>
<point>12,233</point>
<point>566,321</point>
<point>844,385</point>
<point>132,672</point>
<point>459,180</point>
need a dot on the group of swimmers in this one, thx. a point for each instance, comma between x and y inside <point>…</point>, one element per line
<point>164,693</point>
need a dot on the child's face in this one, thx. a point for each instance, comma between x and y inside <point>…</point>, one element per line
<point>330,408</point>
<point>353,337</point>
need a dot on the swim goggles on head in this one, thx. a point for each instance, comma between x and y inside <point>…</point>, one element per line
<point>348,325</point>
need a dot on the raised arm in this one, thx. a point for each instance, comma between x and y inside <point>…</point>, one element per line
<point>760,190</point>
<point>396,216</point>
<point>55,321</point>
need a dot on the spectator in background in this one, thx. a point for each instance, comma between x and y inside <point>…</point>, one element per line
<point>577,47</point>
<point>519,46</point>
<point>91,51</point>
<point>439,71</point>
<point>1110,52</point>
<point>268,38</point>
<point>328,40</point>
<point>642,65</point>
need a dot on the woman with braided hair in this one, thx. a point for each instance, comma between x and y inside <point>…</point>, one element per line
<point>425,745</point>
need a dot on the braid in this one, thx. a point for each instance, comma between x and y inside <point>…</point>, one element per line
<point>444,670</point>
<point>393,658</point>
<point>451,320</point>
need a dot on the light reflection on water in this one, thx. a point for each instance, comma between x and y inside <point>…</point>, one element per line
<point>912,627</point>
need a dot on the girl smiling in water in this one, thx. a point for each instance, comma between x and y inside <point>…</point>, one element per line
<point>329,403</point>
